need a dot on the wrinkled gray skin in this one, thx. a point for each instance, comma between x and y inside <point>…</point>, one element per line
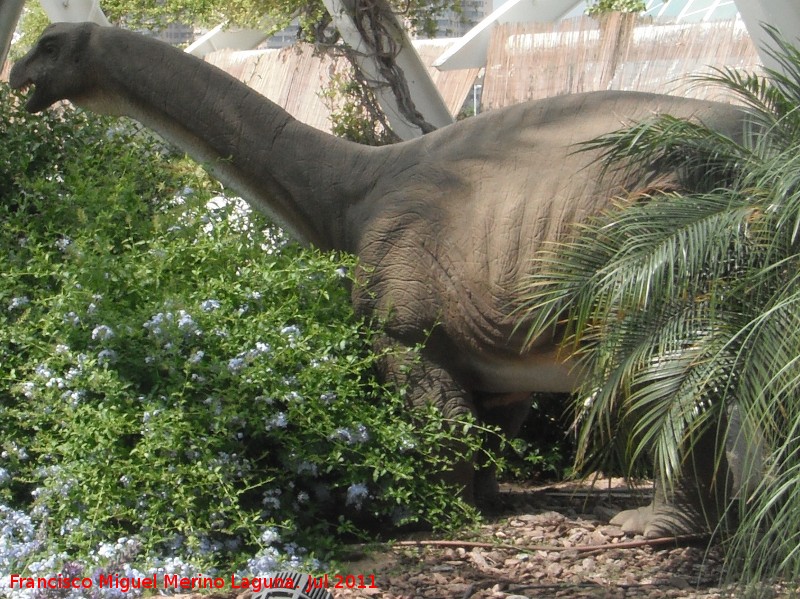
<point>444,226</point>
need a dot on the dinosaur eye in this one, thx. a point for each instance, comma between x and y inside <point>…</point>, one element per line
<point>50,49</point>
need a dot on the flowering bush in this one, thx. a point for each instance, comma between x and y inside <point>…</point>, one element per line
<point>184,390</point>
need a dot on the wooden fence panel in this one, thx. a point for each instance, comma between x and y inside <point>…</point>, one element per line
<point>538,60</point>
<point>294,77</point>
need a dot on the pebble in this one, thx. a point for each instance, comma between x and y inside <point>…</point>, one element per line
<point>554,570</point>
<point>612,531</point>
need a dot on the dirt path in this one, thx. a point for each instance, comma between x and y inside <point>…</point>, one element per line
<point>547,542</point>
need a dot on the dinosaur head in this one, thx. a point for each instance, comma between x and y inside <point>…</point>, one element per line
<point>56,67</point>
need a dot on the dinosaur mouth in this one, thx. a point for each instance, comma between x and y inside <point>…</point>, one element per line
<point>26,85</point>
<point>35,102</point>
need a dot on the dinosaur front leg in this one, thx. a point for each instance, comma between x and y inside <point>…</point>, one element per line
<point>427,383</point>
<point>697,501</point>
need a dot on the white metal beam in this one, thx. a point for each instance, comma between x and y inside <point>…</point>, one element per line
<point>784,15</point>
<point>10,10</point>
<point>427,99</point>
<point>74,11</point>
<point>220,38</point>
<point>470,51</point>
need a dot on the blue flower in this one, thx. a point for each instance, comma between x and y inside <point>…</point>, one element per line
<point>351,436</point>
<point>278,421</point>
<point>73,397</point>
<point>63,243</point>
<point>107,356</point>
<point>262,348</point>
<point>154,324</point>
<point>356,494</point>
<point>407,444</point>
<point>210,305</point>
<point>18,302</point>
<point>343,433</point>
<point>307,467</point>
<point>102,333</point>
<point>361,434</point>
<point>271,502</point>
<point>186,323</point>
<point>44,371</point>
<point>18,539</point>
<point>72,318</point>
<point>107,550</point>
<point>265,562</point>
<point>291,332</point>
<point>236,364</point>
<point>270,536</point>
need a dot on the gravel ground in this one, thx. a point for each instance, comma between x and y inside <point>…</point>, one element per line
<point>546,542</point>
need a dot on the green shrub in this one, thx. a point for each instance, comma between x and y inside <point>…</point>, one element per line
<point>544,449</point>
<point>184,389</point>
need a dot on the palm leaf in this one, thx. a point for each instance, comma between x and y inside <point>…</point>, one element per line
<point>683,308</point>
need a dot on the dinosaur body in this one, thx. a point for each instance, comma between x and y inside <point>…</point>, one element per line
<point>444,226</point>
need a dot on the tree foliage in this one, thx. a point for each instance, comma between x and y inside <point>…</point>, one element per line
<point>684,306</point>
<point>600,7</point>
<point>272,15</point>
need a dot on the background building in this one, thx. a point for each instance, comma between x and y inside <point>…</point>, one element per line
<point>455,24</point>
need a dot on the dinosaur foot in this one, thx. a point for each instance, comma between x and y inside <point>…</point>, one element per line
<point>487,490</point>
<point>656,521</point>
<point>488,498</point>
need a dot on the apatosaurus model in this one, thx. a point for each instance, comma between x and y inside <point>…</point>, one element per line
<point>444,226</point>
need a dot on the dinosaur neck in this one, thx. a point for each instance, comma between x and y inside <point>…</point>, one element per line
<point>304,179</point>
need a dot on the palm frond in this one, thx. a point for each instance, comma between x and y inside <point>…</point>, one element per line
<point>683,308</point>
<point>700,158</point>
<point>662,249</point>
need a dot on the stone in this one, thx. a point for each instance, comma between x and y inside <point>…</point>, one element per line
<point>554,570</point>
